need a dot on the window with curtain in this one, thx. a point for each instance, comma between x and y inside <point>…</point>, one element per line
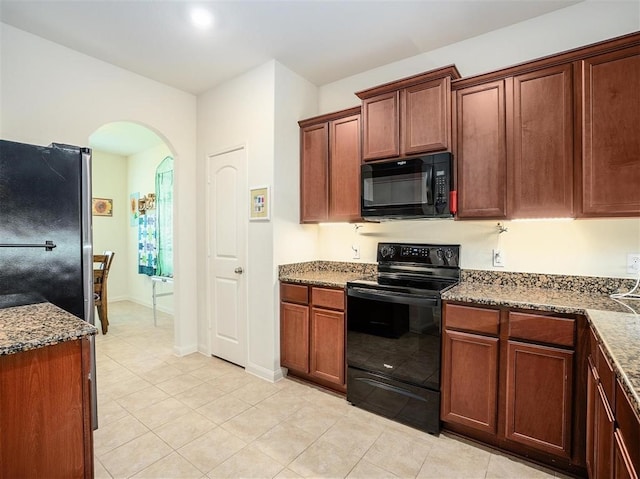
<point>164,221</point>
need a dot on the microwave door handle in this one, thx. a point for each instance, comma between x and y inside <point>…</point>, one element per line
<point>429,184</point>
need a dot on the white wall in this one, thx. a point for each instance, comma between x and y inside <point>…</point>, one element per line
<point>236,113</point>
<point>581,247</point>
<point>51,93</point>
<point>565,29</point>
<point>141,178</point>
<point>109,173</point>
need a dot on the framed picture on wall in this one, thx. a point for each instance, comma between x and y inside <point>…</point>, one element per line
<point>259,203</point>
<point>102,207</point>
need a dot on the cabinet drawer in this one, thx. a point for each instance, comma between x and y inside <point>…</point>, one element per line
<point>328,298</point>
<point>467,318</point>
<point>545,329</point>
<point>294,293</point>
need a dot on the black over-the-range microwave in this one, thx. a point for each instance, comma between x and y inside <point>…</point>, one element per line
<point>417,187</point>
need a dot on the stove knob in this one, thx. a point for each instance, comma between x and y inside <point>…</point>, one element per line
<point>439,253</point>
<point>448,253</point>
<point>385,251</point>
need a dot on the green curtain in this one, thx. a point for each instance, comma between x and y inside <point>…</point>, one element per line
<point>164,211</point>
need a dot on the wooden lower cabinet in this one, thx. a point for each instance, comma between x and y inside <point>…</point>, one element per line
<point>45,412</point>
<point>294,336</point>
<point>539,397</point>
<point>312,334</point>
<point>327,334</point>
<point>613,427</point>
<point>509,380</point>
<point>470,380</point>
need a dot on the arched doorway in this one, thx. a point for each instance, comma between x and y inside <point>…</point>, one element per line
<point>125,156</point>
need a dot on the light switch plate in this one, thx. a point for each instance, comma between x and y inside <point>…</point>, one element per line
<point>498,258</point>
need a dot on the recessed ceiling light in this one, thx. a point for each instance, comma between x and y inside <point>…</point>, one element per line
<point>201,18</point>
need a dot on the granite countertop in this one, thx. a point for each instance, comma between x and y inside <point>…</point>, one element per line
<point>331,274</point>
<point>38,325</point>
<point>616,323</point>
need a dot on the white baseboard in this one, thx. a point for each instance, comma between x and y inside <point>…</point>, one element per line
<point>185,350</point>
<point>264,373</point>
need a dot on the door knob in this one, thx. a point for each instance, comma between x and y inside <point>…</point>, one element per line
<point>238,270</point>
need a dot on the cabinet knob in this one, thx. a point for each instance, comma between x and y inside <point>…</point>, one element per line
<point>238,270</point>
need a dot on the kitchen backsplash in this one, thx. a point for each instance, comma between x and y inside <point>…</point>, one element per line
<point>582,284</point>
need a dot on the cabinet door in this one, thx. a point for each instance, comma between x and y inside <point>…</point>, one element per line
<point>604,427</point>
<point>538,397</point>
<point>327,345</point>
<point>45,425</point>
<point>294,336</point>
<point>592,385</point>
<point>610,143</point>
<point>344,166</point>
<point>314,166</point>
<point>426,117</point>
<point>481,151</point>
<point>469,380</point>
<point>381,126</point>
<point>623,468</point>
<point>542,159</point>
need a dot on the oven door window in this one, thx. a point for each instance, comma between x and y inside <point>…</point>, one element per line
<point>392,185</point>
<point>396,339</point>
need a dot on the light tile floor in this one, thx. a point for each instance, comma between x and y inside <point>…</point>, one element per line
<point>163,416</point>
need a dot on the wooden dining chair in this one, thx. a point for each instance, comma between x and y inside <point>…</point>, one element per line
<point>101,266</point>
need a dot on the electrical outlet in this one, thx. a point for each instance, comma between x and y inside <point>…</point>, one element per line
<point>498,258</point>
<point>633,263</point>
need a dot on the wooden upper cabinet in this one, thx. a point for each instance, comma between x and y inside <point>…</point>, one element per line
<point>344,169</point>
<point>330,159</point>
<point>610,140</point>
<point>314,171</point>
<point>481,150</point>
<point>543,152</point>
<point>381,126</point>
<point>426,117</point>
<point>409,116</point>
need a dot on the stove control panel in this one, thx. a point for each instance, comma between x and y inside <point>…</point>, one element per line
<point>437,255</point>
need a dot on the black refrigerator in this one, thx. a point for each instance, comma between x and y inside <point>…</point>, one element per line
<point>45,230</point>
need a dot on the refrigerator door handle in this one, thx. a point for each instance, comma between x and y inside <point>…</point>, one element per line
<point>48,245</point>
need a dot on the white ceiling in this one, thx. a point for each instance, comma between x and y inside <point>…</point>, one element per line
<point>321,40</point>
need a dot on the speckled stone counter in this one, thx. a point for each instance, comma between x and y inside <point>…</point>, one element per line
<point>617,323</point>
<point>332,274</point>
<point>38,325</point>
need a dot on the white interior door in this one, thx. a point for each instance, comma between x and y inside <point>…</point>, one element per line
<point>227,213</point>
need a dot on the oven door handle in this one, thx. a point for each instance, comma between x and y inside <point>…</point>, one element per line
<point>392,297</point>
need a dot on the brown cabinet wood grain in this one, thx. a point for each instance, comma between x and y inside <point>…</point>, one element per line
<point>610,140</point>
<point>481,150</point>
<point>381,126</point>
<point>312,336</point>
<point>539,396</point>
<point>294,336</point>
<point>344,169</point>
<point>330,159</point>
<point>613,427</point>
<point>470,380</point>
<point>45,425</point>
<point>509,380</point>
<point>408,117</point>
<point>327,345</point>
<point>314,172</point>
<point>515,146</point>
<point>543,148</point>
<point>426,117</point>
